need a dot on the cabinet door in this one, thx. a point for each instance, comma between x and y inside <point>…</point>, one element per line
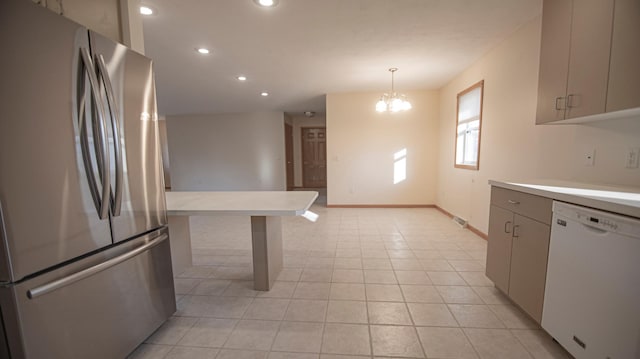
<point>589,60</point>
<point>624,77</point>
<point>499,247</point>
<point>554,60</point>
<point>529,254</point>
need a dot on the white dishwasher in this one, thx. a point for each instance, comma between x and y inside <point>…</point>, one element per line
<point>592,293</point>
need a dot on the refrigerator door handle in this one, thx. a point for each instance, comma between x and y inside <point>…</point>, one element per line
<point>100,200</point>
<point>70,279</point>
<point>84,142</point>
<point>116,203</point>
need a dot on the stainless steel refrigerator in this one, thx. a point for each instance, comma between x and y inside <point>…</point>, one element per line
<point>85,265</point>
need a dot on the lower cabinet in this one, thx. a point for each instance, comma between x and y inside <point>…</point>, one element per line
<point>518,247</point>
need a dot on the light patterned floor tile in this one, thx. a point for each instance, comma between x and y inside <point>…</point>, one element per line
<point>397,341</point>
<point>253,335</point>
<point>208,332</point>
<point>347,311</point>
<point>346,339</point>
<point>475,316</point>
<point>446,343</point>
<point>496,344</point>
<point>388,313</point>
<point>399,266</point>
<point>437,315</point>
<point>191,353</point>
<point>299,337</point>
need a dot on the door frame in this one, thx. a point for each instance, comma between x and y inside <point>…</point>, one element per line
<point>289,157</point>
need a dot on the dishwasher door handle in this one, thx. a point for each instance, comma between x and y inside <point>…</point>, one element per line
<point>594,229</point>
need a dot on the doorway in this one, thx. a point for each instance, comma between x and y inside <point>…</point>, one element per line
<point>314,157</point>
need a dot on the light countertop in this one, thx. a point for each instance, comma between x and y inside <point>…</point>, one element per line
<point>622,200</point>
<point>251,203</point>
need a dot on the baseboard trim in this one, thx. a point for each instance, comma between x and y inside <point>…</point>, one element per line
<point>473,229</point>
<point>381,206</point>
<point>478,232</point>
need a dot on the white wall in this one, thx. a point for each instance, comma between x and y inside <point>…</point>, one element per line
<point>300,122</point>
<point>512,146</point>
<point>361,144</point>
<point>227,152</point>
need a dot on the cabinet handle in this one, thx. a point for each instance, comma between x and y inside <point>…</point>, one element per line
<point>570,101</point>
<point>513,202</point>
<point>515,235</point>
<point>558,108</point>
<point>506,224</point>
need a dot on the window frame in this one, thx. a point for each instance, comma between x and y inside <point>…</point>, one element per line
<point>476,166</point>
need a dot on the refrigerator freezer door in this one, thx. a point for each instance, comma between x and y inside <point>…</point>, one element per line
<point>103,306</point>
<point>48,210</point>
<point>142,189</point>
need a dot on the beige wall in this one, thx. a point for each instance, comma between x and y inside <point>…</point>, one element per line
<point>361,144</point>
<point>512,146</point>
<point>299,122</point>
<point>227,152</point>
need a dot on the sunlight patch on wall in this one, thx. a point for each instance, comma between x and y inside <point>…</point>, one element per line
<point>400,166</point>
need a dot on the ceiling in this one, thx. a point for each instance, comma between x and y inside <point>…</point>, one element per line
<point>301,50</point>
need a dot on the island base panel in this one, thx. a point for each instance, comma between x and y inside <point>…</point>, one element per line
<point>180,241</point>
<point>266,237</point>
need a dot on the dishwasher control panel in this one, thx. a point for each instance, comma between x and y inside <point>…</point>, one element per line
<point>596,219</point>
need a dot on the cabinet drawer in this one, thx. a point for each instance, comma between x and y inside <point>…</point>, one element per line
<point>528,205</point>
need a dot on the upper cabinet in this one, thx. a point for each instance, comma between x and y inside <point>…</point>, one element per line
<point>588,58</point>
<point>624,76</point>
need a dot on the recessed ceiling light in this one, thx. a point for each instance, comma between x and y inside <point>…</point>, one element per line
<point>266,3</point>
<point>145,10</point>
<point>202,50</point>
<point>242,78</point>
<point>264,94</point>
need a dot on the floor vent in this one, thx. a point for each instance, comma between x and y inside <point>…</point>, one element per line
<point>459,221</point>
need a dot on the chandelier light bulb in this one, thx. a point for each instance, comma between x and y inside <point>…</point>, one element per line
<point>381,106</point>
<point>406,105</point>
<point>396,104</point>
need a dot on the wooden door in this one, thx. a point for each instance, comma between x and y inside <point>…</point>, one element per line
<point>288,150</point>
<point>314,157</point>
<point>529,255</point>
<point>499,247</point>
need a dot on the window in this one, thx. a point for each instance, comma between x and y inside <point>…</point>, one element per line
<point>469,123</point>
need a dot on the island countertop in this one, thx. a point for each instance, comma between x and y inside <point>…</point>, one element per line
<point>247,203</point>
<point>617,199</point>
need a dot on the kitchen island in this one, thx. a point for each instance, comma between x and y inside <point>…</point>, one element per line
<point>265,209</point>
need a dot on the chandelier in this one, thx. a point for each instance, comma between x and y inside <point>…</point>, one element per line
<point>393,101</point>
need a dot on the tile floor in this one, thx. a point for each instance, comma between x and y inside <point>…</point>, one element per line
<point>358,283</point>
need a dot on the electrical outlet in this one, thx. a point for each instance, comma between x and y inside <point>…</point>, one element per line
<point>633,156</point>
<point>588,157</point>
